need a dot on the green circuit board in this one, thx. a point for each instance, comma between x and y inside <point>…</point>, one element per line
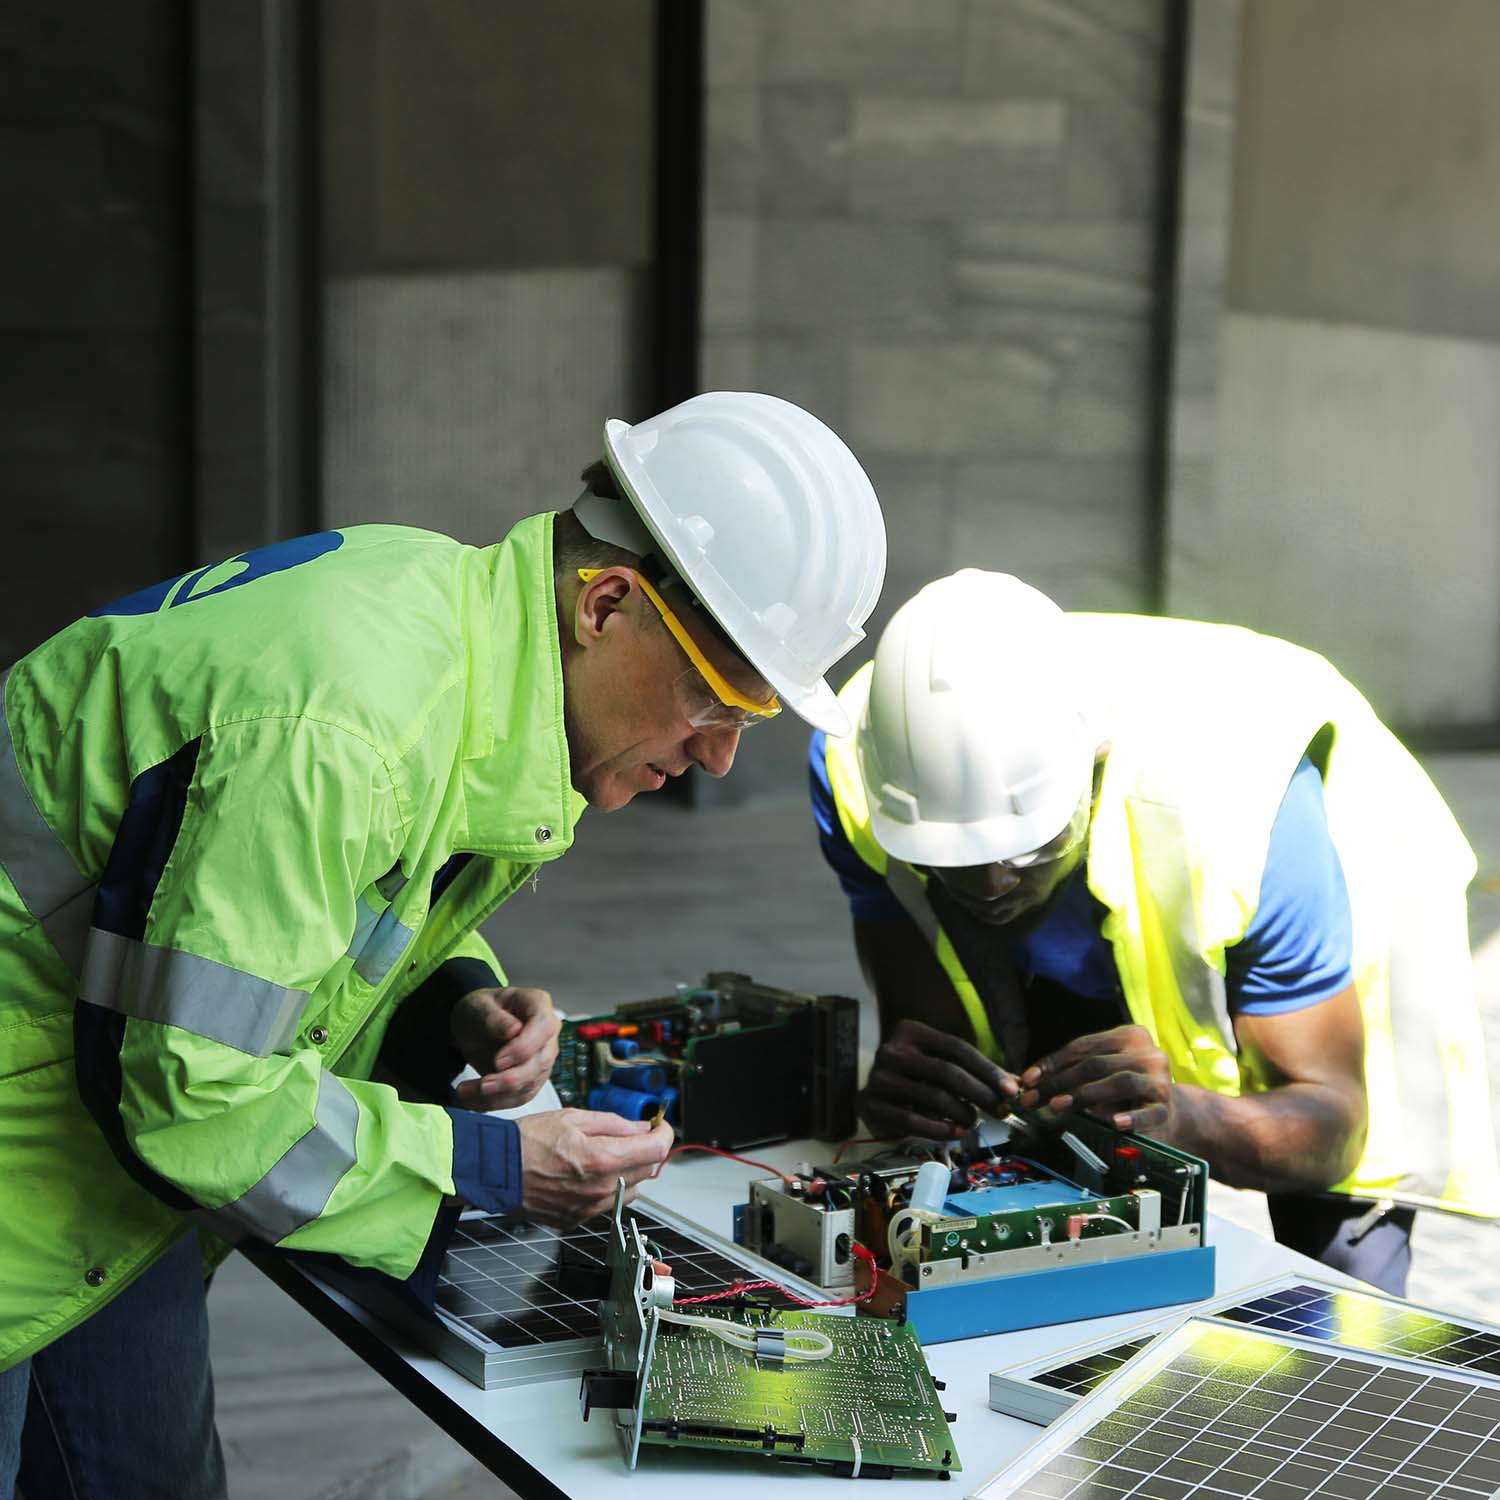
<point>982,1234</point>
<point>871,1405</point>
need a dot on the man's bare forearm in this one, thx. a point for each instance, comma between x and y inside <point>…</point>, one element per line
<point>1296,1138</point>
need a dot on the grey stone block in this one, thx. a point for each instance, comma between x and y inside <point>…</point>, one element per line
<point>1073,529</point>
<point>1104,54</point>
<point>732,43</point>
<point>806,151</point>
<point>1105,399</point>
<point>727,362</point>
<point>951,398</point>
<point>731,245</point>
<point>910,43</point>
<point>813,371</point>
<point>842,273</point>
<point>916,495</point>
<point>958,158</point>
<point>1111,166</point>
<point>732,150</point>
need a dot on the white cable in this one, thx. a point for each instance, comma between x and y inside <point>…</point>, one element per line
<point>1124,1224</point>
<point>859,1457</point>
<point>801,1343</point>
<point>901,1250</point>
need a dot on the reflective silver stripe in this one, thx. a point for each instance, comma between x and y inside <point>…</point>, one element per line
<point>365,918</point>
<point>196,994</point>
<point>295,1190</point>
<point>386,943</point>
<point>906,886</point>
<point>38,863</point>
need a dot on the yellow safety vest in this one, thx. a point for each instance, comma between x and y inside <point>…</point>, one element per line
<point>1206,724</point>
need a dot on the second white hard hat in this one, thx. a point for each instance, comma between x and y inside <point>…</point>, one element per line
<point>973,745</point>
<point>771,522</point>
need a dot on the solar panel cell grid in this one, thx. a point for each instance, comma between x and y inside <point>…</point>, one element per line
<point>500,1279</point>
<point>1371,1323</point>
<point>1236,1413</point>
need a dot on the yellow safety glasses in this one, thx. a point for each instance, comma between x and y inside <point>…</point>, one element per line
<point>722,706</point>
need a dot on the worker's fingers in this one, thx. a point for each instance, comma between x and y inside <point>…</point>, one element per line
<point>535,1026</point>
<point>903,1092</point>
<point>940,1073</point>
<point>503,1090</point>
<point>1117,1039</point>
<point>623,1156</point>
<point>953,1050</point>
<point>1152,1117</point>
<point>601,1122</point>
<point>892,1122</point>
<point>1125,1090</point>
<point>1069,1079</point>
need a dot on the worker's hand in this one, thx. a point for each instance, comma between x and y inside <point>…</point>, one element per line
<point>570,1159</point>
<point>925,1082</point>
<point>1120,1074</point>
<point>509,1037</point>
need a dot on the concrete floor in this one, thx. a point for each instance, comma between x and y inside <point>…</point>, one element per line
<point>651,896</point>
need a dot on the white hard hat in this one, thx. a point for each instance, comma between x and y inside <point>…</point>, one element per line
<point>973,745</point>
<point>771,523</point>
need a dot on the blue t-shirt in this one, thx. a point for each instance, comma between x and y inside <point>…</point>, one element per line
<point>1297,951</point>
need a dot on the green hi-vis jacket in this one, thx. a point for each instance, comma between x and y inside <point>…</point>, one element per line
<point>1206,724</point>
<point>223,802</point>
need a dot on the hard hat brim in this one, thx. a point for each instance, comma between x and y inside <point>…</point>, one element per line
<point>959,845</point>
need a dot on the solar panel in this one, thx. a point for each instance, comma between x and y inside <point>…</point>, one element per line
<point>1038,1390</point>
<point>1215,1409</point>
<point>505,1316</point>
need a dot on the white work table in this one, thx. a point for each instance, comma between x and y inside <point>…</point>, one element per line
<point>533,1437</point>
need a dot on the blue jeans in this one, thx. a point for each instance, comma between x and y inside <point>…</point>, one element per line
<point>122,1407</point>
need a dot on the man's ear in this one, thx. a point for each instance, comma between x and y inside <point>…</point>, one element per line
<point>598,603</point>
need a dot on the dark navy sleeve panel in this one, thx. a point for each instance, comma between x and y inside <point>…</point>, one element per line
<point>417,1047</point>
<point>870,898</point>
<point>1300,945</point>
<point>486,1161</point>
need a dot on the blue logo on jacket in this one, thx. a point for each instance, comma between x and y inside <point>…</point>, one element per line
<point>188,588</point>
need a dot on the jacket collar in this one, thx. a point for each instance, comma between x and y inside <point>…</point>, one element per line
<point>519,801</point>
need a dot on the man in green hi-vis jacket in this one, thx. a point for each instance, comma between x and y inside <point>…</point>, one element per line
<point>249,822</point>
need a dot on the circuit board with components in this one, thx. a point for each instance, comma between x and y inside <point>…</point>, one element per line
<point>729,1063</point>
<point>871,1403</point>
<point>864,1404</point>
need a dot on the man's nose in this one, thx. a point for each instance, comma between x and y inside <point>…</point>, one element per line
<point>714,750</point>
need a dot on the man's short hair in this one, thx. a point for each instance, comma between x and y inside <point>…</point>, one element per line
<point>573,547</point>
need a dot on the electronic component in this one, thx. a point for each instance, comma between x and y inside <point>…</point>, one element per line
<point>1040,1390</point>
<point>1214,1408</point>
<point>730,1063</point>
<point>860,1399</point>
<point>1119,1218</point>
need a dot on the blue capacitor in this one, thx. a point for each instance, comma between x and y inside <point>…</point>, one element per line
<point>644,1078</point>
<point>624,1046</point>
<point>626,1102</point>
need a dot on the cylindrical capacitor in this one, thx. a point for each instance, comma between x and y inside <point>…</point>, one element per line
<point>644,1078</point>
<point>931,1187</point>
<point>626,1102</point>
<point>624,1046</point>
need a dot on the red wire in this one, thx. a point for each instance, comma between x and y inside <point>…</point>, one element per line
<point>857,1140</point>
<point>754,1286</point>
<point>714,1151</point>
